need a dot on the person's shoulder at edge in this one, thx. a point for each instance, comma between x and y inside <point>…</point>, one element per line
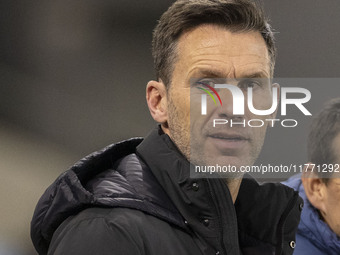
<point>293,182</point>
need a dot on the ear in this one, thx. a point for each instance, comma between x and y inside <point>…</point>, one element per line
<point>277,87</point>
<point>156,98</point>
<point>315,188</point>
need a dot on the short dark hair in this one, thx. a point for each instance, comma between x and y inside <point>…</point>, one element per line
<point>325,127</point>
<point>184,15</point>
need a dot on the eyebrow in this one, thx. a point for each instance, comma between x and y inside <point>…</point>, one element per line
<point>256,75</point>
<point>260,74</point>
<point>210,73</point>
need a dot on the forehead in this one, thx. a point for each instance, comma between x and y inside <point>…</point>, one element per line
<point>217,47</point>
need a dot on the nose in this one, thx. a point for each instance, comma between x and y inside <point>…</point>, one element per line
<point>232,101</point>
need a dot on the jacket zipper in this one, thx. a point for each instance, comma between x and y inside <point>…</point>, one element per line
<point>220,228</point>
<point>283,218</point>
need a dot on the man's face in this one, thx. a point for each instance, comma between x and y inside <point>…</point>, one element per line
<point>331,212</point>
<point>206,52</point>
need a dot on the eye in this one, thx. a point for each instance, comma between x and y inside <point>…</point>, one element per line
<point>206,82</point>
<point>249,83</point>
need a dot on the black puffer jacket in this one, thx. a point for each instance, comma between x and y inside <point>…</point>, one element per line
<point>136,197</point>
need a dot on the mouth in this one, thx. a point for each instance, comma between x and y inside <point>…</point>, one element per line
<point>228,142</point>
<point>229,137</point>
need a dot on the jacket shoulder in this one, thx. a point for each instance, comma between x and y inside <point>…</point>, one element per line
<point>67,195</point>
<point>111,178</point>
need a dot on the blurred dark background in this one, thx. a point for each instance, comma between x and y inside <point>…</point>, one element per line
<point>73,77</point>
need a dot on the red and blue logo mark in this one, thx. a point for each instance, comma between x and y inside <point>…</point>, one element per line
<point>209,93</point>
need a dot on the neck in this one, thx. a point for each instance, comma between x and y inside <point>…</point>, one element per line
<point>234,186</point>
